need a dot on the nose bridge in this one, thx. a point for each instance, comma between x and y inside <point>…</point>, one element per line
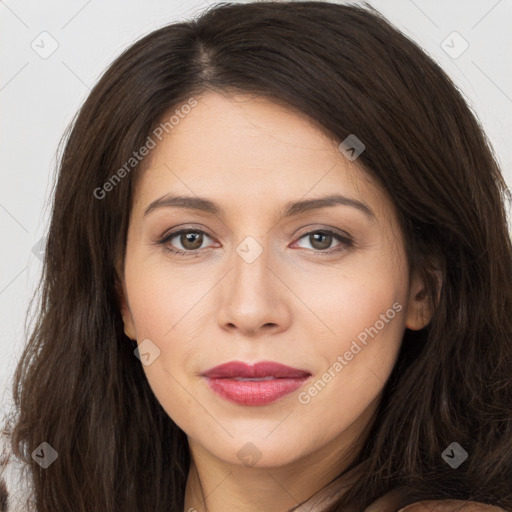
<point>249,296</point>
<point>250,262</point>
<point>252,238</point>
<point>254,297</point>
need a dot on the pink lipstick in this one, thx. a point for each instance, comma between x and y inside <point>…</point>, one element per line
<point>261,384</point>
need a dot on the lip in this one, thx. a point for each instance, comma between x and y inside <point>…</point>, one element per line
<point>279,380</point>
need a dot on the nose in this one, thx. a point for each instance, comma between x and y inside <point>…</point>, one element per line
<point>254,298</point>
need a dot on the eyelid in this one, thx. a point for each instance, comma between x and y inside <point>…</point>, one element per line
<point>173,233</point>
<point>343,237</point>
<point>178,230</point>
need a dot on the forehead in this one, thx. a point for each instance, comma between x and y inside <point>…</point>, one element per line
<point>247,149</point>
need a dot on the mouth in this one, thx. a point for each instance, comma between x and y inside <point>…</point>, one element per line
<point>259,384</point>
<point>245,379</point>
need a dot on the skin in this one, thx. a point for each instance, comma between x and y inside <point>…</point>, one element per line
<point>291,305</point>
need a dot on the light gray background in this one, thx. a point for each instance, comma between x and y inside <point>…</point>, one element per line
<point>39,96</point>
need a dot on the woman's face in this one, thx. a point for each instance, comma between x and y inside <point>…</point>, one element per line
<point>263,281</point>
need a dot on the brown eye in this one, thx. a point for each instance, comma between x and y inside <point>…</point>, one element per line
<point>320,241</point>
<point>191,240</point>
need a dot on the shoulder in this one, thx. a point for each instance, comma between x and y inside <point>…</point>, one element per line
<point>450,506</point>
<point>395,501</point>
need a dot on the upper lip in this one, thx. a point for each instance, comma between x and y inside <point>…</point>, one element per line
<point>262,369</point>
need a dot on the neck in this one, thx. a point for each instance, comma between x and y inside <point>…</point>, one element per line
<point>251,491</point>
<point>214,485</point>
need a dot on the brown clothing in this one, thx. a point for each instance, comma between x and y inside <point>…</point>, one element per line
<point>393,501</point>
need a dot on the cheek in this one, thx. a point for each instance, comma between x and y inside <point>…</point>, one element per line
<point>162,301</point>
<point>169,308</point>
<point>160,305</point>
<point>368,330</point>
<point>362,312</point>
<point>347,302</point>
<point>363,320</point>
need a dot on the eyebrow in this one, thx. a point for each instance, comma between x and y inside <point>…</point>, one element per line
<point>290,209</point>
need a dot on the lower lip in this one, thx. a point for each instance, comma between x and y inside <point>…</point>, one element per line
<point>261,392</point>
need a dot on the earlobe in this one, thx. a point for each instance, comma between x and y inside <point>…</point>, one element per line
<point>418,313</point>
<point>129,328</point>
<point>416,318</point>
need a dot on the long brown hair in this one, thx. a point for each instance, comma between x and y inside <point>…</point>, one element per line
<point>78,385</point>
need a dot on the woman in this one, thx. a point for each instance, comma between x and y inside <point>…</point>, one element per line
<point>192,354</point>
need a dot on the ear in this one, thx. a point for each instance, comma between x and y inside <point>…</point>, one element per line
<point>418,313</point>
<point>129,327</point>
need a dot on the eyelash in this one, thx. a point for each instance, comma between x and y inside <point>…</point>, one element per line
<point>346,241</point>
